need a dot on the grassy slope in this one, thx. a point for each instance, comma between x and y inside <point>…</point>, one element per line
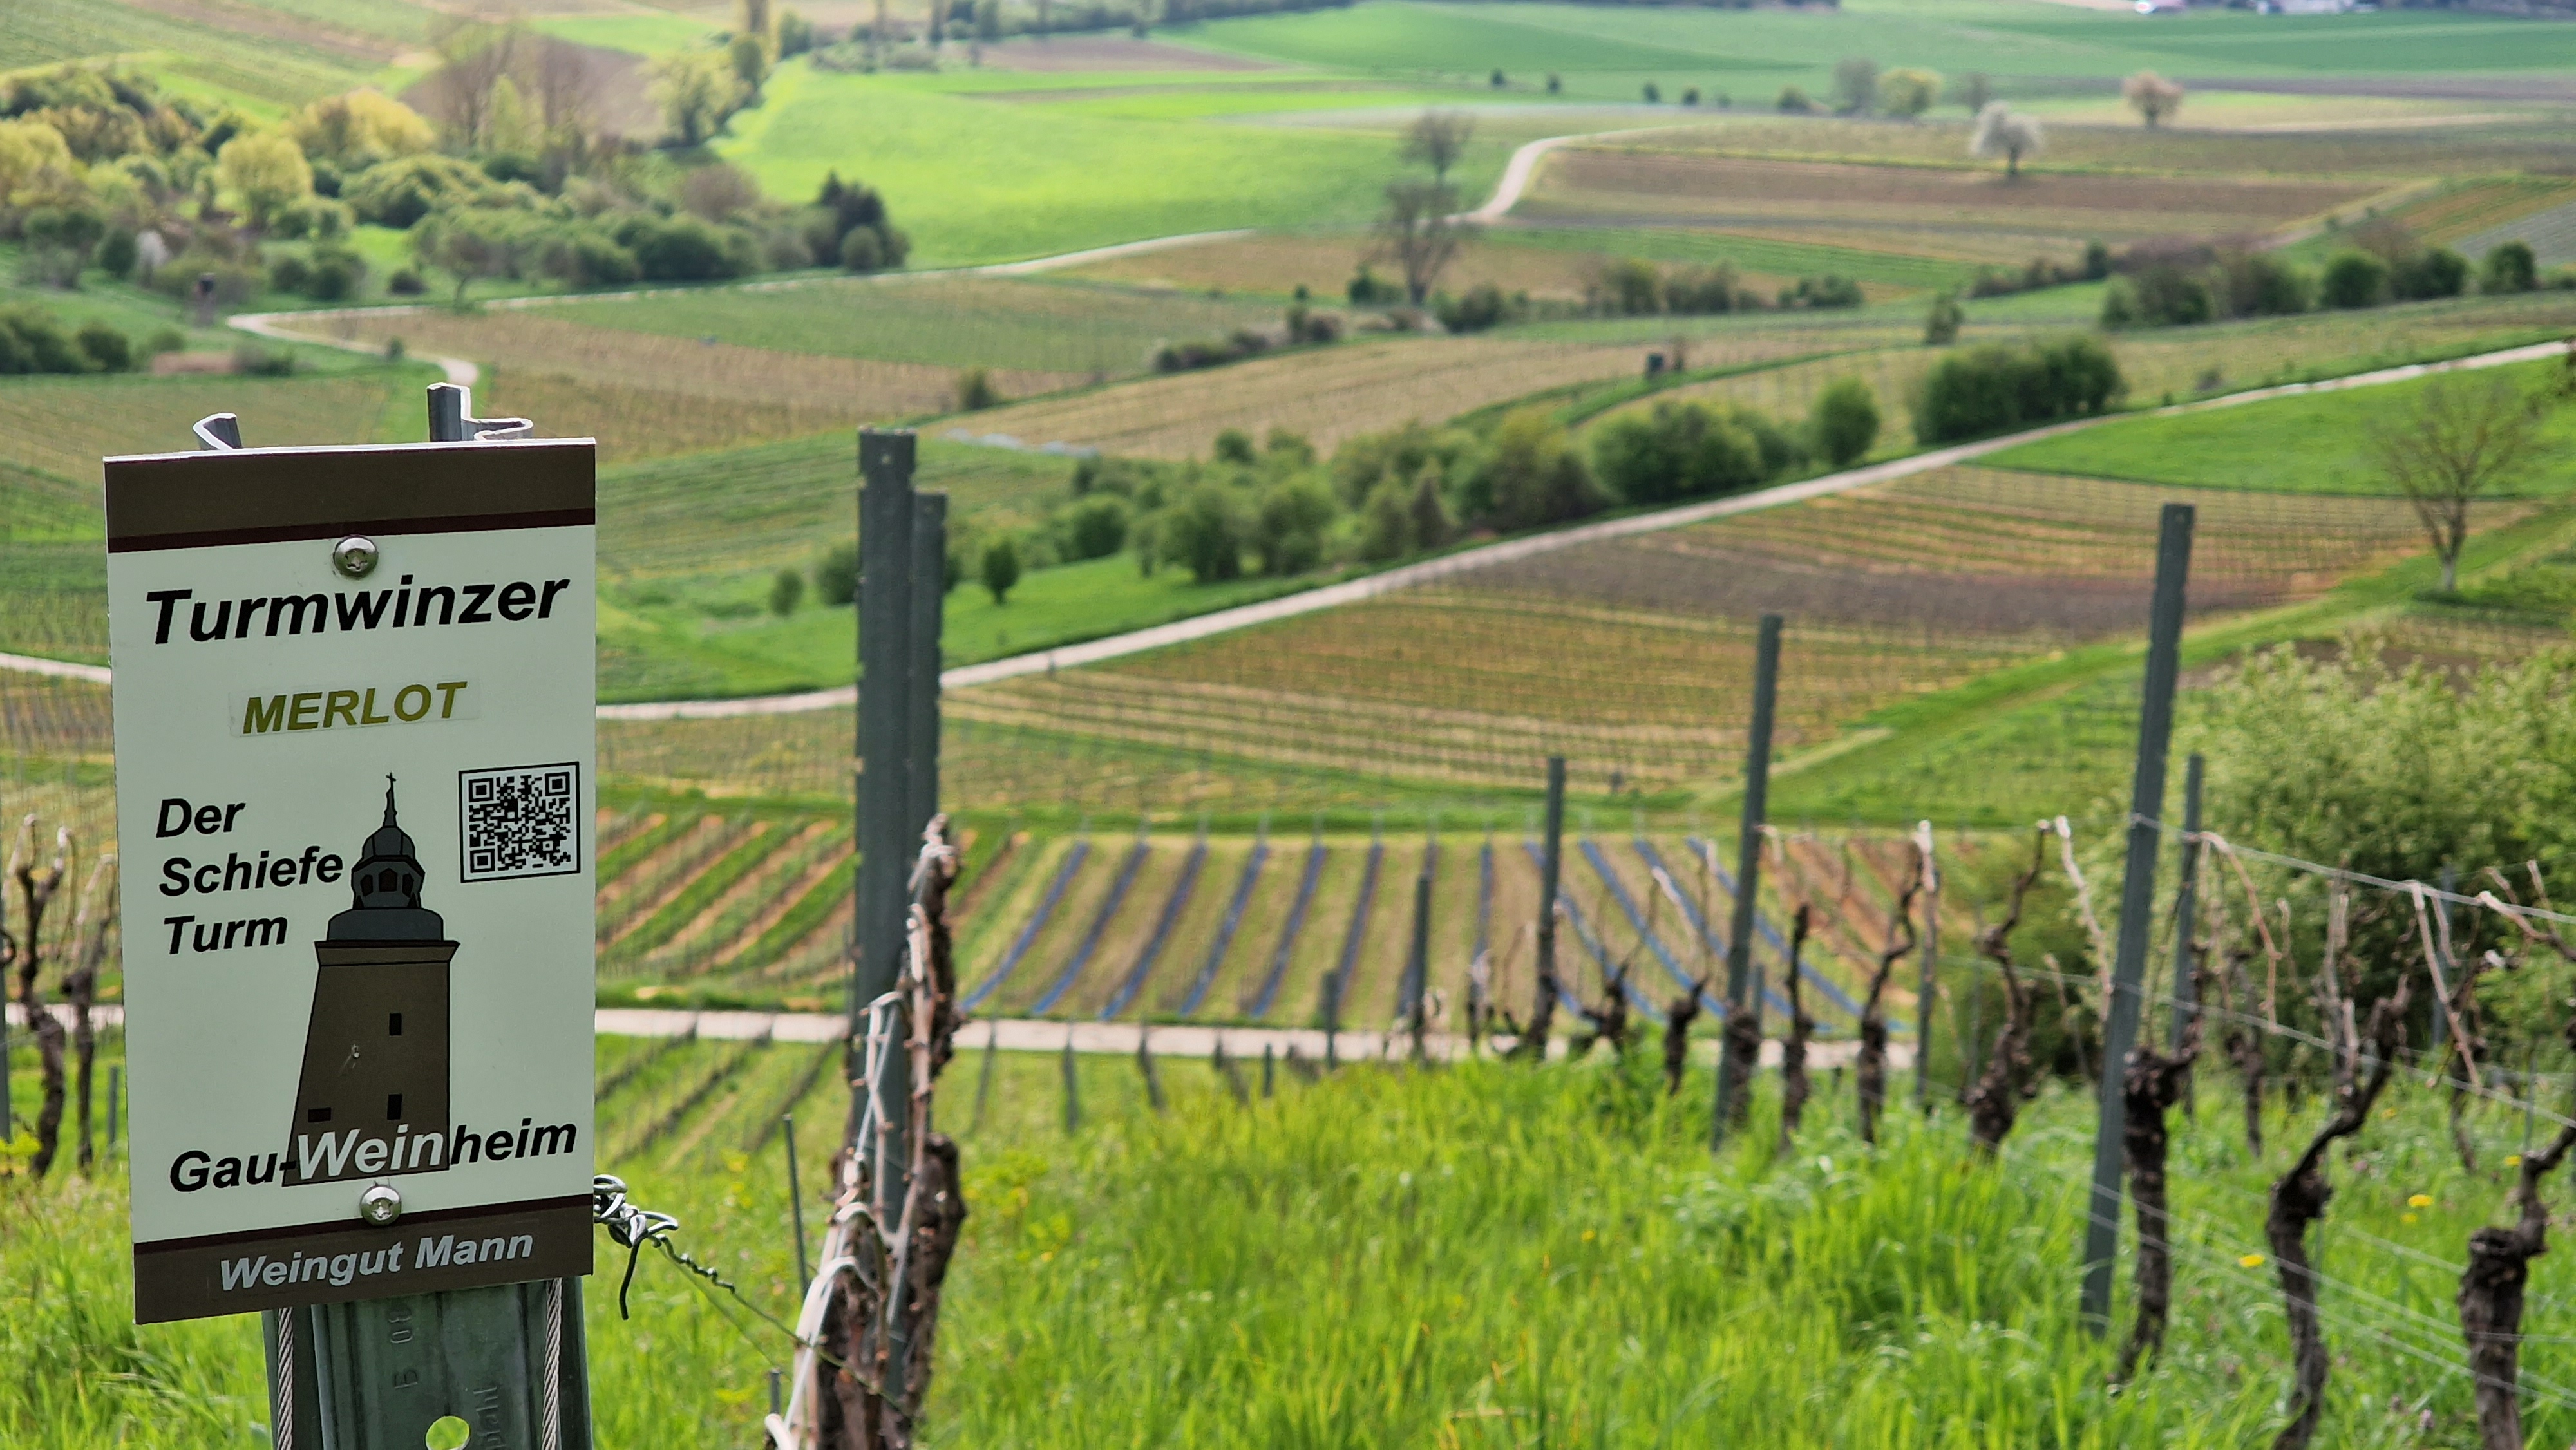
<point>2291,445</point>
<point>1461,1257</point>
<point>1044,182</point>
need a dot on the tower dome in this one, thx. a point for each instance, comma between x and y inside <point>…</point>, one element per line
<point>385,889</point>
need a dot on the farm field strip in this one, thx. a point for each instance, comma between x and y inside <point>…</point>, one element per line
<point>1636,183</point>
<point>1330,393</point>
<point>784,855</point>
<point>522,339</point>
<point>61,427</point>
<point>666,873</point>
<point>1058,327</point>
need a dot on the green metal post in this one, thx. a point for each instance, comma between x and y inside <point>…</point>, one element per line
<point>1740,994</point>
<point>2137,909</point>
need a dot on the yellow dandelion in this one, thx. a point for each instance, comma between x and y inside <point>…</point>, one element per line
<point>2250,1261</point>
<point>2513,1160</point>
<point>2406,1218</point>
<point>2420,1200</point>
<point>1589,1235</point>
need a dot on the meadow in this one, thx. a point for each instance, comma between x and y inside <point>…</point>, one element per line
<point>1395,1256</point>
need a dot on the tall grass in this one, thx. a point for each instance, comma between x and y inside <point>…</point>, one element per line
<point>1475,1256</point>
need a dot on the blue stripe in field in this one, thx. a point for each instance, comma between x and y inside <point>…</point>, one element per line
<point>1583,933</point>
<point>1771,934</point>
<point>1637,920</point>
<point>1225,929</point>
<point>1261,1002</point>
<point>1153,951</point>
<point>1036,923</point>
<point>1340,982</point>
<point>1099,928</point>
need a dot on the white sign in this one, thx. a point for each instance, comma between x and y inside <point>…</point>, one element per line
<point>355,793</point>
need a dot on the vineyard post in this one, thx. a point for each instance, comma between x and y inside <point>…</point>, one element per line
<point>2186,990</point>
<point>928,588</point>
<point>1748,875</point>
<point>884,834</point>
<point>795,1215</point>
<point>2137,909</point>
<point>1417,959</point>
<point>1548,868</point>
<point>1924,990</point>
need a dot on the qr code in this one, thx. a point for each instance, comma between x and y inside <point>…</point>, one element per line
<point>520,821</point>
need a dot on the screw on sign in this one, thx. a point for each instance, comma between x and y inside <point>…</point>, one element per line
<point>359,994</point>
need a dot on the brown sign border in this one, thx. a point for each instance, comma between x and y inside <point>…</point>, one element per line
<point>264,495</point>
<point>183,1278</point>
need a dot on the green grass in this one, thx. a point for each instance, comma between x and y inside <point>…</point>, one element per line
<point>652,652</point>
<point>638,34</point>
<point>1042,181</point>
<point>2311,444</point>
<point>1480,1256</point>
<point>1754,253</point>
<point>1039,325</point>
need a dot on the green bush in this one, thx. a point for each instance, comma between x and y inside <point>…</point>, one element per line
<point>786,592</point>
<point>120,250</point>
<point>1845,422</point>
<point>1941,322</point>
<point>1288,522</point>
<point>32,340</point>
<point>1095,527</point>
<point>683,248</point>
<point>1482,306</point>
<point>1828,290</point>
<point>335,275</point>
<point>2507,267</point>
<point>1203,532</point>
<point>1531,475</point>
<point>1994,388</point>
<point>975,390</point>
<point>108,350</point>
<point>1000,568</point>
<point>2354,279</point>
<point>2432,272</point>
<point>1676,450</point>
<point>400,192</point>
<point>584,256</point>
<point>836,577</point>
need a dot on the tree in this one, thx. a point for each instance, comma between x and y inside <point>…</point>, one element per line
<point>360,128</point>
<point>1437,139</point>
<point>1972,91</point>
<point>2152,96</point>
<point>62,238</point>
<point>1533,476</point>
<point>2001,131</point>
<point>786,592</point>
<point>2458,443</point>
<point>2355,279</point>
<point>2508,267</point>
<point>1001,568</point>
<point>1420,233</point>
<point>696,90</point>
<point>1941,323</point>
<point>1855,85</point>
<point>1203,533</point>
<point>473,57</point>
<point>1845,422</point>
<point>464,245</point>
<point>1908,92</point>
<point>266,172</point>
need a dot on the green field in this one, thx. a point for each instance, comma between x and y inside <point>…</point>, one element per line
<point>2309,444</point>
<point>1044,183</point>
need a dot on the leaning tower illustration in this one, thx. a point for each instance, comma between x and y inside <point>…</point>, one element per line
<point>376,1049</point>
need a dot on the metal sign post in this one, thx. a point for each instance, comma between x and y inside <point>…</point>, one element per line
<point>356,780</point>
